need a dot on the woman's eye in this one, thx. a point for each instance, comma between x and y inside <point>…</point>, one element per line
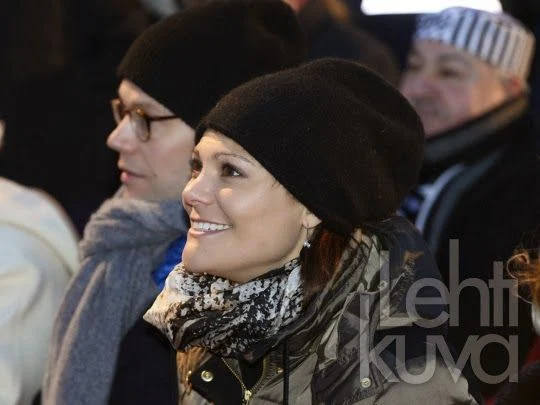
<point>230,171</point>
<point>196,167</point>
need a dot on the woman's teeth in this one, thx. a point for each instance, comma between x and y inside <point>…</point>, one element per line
<point>207,226</point>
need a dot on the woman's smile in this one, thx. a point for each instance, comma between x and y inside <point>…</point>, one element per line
<point>205,227</point>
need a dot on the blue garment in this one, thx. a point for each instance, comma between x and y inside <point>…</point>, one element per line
<point>173,256</point>
<point>411,205</point>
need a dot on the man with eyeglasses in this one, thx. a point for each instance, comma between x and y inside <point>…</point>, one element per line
<point>172,75</point>
<point>149,170</point>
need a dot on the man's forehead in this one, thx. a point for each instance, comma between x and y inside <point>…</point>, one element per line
<point>440,52</point>
<point>133,95</point>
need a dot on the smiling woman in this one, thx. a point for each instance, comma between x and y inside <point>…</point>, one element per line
<point>292,240</point>
<point>231,190</point>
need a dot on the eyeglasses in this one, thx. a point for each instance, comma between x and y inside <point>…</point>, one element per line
<point>139,120</point>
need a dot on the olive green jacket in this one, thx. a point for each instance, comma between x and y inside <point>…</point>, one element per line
<point>347,346</point>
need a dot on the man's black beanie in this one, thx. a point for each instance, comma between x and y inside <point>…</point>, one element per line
<point>191,59</point>
<point>336,135</point>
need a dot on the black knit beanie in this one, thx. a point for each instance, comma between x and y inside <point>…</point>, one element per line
<point>335,134</point>
<point>191,59</point>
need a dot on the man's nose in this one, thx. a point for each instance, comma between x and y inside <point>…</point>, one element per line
<point>123,138</point>
<point>418,85</point>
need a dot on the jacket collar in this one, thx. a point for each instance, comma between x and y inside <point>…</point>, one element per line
<point>476,137</point>
<point>393,257</point>
<point>384,260</point>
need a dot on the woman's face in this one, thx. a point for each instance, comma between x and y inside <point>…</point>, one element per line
<point>243,222</point>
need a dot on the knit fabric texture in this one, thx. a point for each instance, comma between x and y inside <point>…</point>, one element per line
<point>191,59</point>
<point>334,133</point>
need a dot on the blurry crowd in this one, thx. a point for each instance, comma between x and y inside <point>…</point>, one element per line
<point>102,104</point>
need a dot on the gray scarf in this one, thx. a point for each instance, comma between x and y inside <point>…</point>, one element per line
<point>123,243</point>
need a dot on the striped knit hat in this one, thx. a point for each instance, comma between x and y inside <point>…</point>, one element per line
<point>497,39</point>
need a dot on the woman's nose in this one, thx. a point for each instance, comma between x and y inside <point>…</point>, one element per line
<point>199,190</point>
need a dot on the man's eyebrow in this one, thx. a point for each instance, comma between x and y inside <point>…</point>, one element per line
<point>145,105</point>
<point>451,57</point>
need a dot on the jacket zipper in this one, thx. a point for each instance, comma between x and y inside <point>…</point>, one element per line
<point>247,394</point>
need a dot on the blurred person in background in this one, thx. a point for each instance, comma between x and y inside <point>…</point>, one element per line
<point>467,78</point>
<point>464,65</point>
<point>102,351</point>
<point>57,76</point>
<point>38,257</point>
<point>330,33</point>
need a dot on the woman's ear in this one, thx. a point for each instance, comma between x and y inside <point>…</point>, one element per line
<point>310,220</point>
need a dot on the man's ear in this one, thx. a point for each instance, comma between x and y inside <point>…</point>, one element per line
<point>297,5</point>
<point>513,86</point>
<point>2,132</point>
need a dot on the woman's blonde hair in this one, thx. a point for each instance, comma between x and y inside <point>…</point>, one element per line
<point>524,266</point>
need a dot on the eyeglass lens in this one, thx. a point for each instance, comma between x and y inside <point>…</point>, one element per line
<point>136,119</point>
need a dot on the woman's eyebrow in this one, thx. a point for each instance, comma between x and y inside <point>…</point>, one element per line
<point>234,155</point>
